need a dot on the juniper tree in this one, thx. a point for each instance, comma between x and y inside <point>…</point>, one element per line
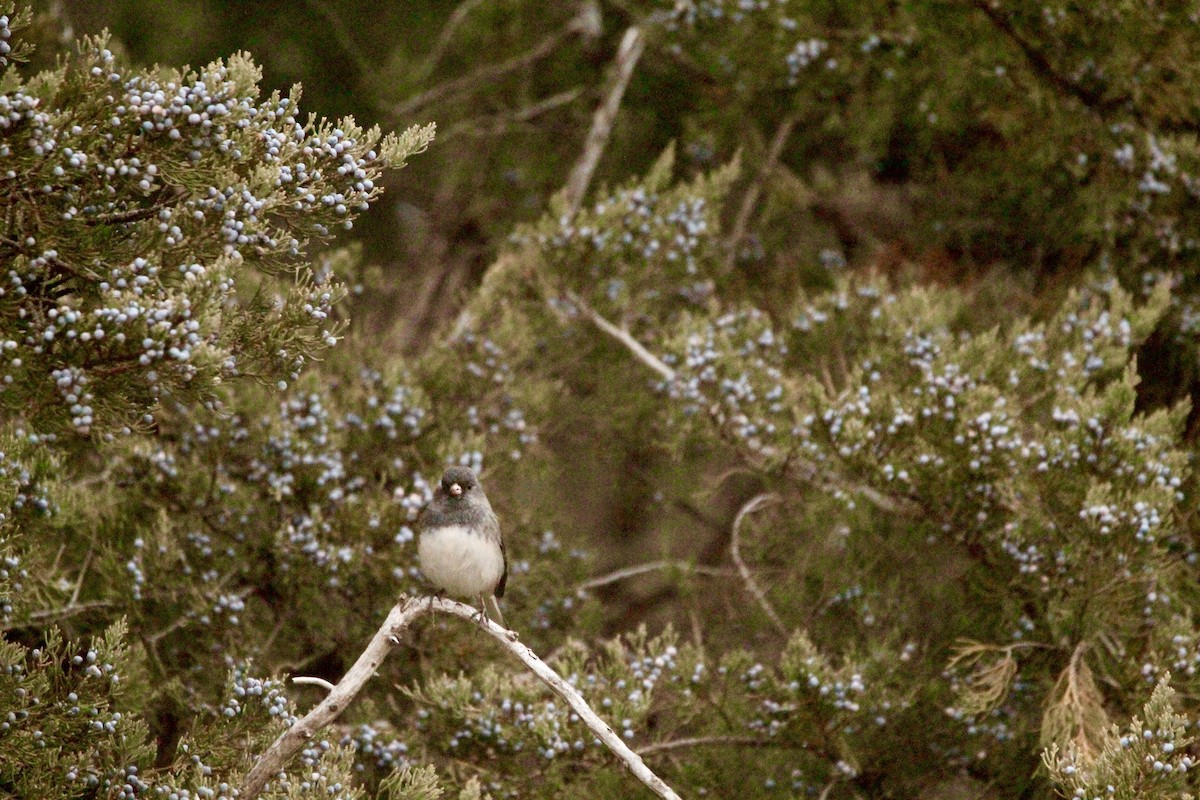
<point>965,563</point>
<point>968,521</point>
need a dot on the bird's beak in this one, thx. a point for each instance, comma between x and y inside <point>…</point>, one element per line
<point>455,490</point>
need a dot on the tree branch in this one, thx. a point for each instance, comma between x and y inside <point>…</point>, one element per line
<point>754,504</point>
<point>625,338</point>
<point>308,681</point>
<point>700,741</point>
<point>342,35</point>
<point>451,27</point>
<point>402,615</point>
<point>486,74</point>
<point>1041,65</point>
<point>632,45</point>
<point>642,569</point>
<point>70,610</point>
<point>750,199</point>
<point>500,123</point>
<point>162,199</point>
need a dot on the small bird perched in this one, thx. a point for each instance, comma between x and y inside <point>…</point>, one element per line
<point>460,546</point>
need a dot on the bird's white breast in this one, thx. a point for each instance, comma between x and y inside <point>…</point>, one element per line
<point>462,563</point>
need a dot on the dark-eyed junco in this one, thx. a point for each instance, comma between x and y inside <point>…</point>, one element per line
<point>460,546</point>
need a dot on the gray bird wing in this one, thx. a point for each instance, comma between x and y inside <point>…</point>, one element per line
<point>503,555</point>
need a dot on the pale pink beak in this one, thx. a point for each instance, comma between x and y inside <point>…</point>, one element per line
<point>455,490</point>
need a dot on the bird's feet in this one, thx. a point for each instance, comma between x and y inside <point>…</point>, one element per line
<point>433,598</point>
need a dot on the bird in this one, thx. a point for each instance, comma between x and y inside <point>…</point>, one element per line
<point>460,546</point>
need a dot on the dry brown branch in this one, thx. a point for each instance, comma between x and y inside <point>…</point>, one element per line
<point>990,672</point>
<point>625,338</point>
<point>87,562</point>
<point>1041,64</point>
<point>706,741</point>
<point>53,614</point>
<point>632,44</point>
<point>1075,718</point>
<point>754,504</point>
<point>642,569</point>
<point>829,480</point>
<point>402,615</point>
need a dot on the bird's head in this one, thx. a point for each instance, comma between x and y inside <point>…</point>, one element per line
<point>458,482</point>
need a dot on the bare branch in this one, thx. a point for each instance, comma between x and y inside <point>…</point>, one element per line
<point>829,480</point>
<point>451,27</point>
<point>87,562</point>
<point>486,74</point>
<point>750,199</point>
<point>272,762</point>
<point>69,610</point>
<point>342,35</point>
<point>1041,64</point>
<point>308,681</point>
<point>500,123</point>
<point>808,471</point>
<point>625,338</point>
<point>704,741</point>
<point>54,261</point>
<point>632,45</point>
<point>754,504</point>
<point>402,615</point>
<point>642,569</point>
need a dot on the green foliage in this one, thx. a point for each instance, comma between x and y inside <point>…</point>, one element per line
<point>620,253</point>
<point>1038,133</point>
<point>421,783</point>
<point>147,216</point>
<point>979,546</point>
<point>1146,759</point>
<point>71,725</point>
<point>892,422</point>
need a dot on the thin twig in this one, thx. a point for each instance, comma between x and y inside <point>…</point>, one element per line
<point>829,480</point>
<point>486,74</point>
<point>54,261</point>
<point>1040,63</point>
<point>625,338</point>
<point>632,45</point>
<point>499,123</point>
<point>69,610</point>
<point>305,680</point>
<point>129,215</point>
<point>642,569</point>
<point>87,562</point>
<point>825,479</point>
<point>754,504</point>
<point>402,615</point>
<point>703,741</point>
<point>451,27</point>
<point>750,199</point>
<point>342,35</point>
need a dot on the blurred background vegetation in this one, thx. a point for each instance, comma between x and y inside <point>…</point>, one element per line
<point>960,143</point>
<point>1001,154</point>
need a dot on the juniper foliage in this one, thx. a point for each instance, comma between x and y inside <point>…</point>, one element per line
<point>969,557</point>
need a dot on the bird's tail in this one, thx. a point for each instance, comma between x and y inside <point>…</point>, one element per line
<point>493,609</point>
